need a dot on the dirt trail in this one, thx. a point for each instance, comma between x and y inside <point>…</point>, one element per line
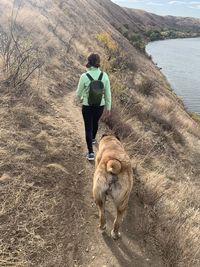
<point>97,249</point>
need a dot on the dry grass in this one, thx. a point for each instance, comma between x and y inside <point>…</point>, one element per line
<point>119,127</point>
<point>26,211</point>
<point>147,87</point>
<point>35,182</point>
<point>174,217</point>
<point>163,105</point>
<point>186,123</point>
<point>195,116</point>
<point>38,154</point>
<point>172,211</point>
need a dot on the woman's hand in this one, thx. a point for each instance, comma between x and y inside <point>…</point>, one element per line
<point>106,114</point>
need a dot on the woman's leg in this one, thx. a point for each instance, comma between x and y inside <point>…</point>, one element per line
<point>97,112</point>
<point>88,117</point>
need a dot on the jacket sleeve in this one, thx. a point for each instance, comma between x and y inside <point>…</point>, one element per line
<point>79,90</point>
<point>107,93</point>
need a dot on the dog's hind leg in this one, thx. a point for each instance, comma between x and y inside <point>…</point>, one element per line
<point>121,203</point>
<point>102,216</point>
<point>117,223</point>
<point>100,201</point>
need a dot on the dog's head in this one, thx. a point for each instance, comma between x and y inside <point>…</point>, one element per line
<point>114,135</point>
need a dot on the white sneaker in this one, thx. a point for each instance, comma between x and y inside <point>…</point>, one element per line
<point>90,156</point>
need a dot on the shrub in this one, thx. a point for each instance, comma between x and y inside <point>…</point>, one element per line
<point>114,59</point>
<point>107,41</point>
<point>20,58</point>
<point>154,35</point>
<point>140,45</point>
<point>134,37</point>
<point>146,87</point>
<point>126,34</point>
<point>126,26</point>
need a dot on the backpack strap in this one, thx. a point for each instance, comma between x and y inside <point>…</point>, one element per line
<point>100,76</point>
<point>90,77</point>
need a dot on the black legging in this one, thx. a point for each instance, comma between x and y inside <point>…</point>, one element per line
<point>91,116</point>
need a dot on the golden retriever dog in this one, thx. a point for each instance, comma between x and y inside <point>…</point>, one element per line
<point>113,176</point>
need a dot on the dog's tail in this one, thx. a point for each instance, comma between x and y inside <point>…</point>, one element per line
<point>114,166</point>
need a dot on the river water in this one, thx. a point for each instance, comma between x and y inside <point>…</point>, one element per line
<point>180,63</point>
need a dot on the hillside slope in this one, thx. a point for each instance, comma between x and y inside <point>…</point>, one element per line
<point>47,213</point>
<point>149,20</point>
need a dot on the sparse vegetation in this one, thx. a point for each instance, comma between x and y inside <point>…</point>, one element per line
<point>176,221</point>
<point>115,58</point>
<point>195,116</point>
<point>108,43</point>
<point>19,57</point>
<point>118,124</point>
<point>46,211</point>
<point>165,214</point>
<point>32,203</point>
<point>135,39</point>
<point>161,34</point>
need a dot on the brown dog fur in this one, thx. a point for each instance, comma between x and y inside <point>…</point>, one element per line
<point>113,176</point>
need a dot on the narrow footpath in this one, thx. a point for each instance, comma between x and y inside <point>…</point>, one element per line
<point>94,248</point>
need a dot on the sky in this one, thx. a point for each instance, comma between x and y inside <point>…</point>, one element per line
<point>184,8</point>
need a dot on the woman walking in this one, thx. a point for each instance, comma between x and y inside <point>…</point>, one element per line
<point>95,94</point>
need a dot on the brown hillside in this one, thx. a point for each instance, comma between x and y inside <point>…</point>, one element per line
<point>47,216</point>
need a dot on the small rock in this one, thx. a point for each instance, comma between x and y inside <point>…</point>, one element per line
<point>93,257</point>
<point>92,248</point>
<point>5,177</point>
<point>70,246</point>
<point>79,173</point>
<point>87,250</point>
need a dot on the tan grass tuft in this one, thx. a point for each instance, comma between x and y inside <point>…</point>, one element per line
<point>163,105</point>
<point>176,218</point>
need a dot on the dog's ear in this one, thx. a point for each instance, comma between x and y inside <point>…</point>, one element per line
<point>117,137</point>
<point>103,135</point>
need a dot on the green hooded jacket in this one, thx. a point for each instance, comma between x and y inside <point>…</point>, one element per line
<point>83,87</point>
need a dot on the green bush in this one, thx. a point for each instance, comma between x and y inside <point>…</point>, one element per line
<point>126,26</point>
<point>135,37</point>
<point>155,35</point>
<point>140,45</point>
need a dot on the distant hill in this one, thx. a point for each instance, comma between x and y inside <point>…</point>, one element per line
<point>142,20</point>
<point>143,23</point>
<point>150,20</point>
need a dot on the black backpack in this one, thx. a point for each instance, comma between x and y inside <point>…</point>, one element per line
<point>96,90</point>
